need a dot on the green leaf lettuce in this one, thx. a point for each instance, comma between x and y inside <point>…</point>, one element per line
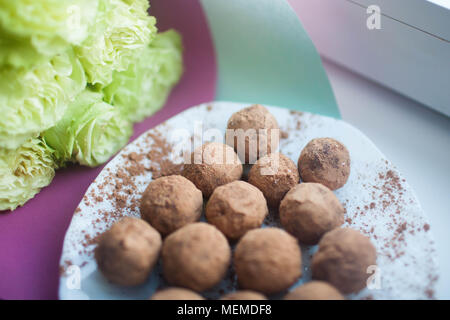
<point>90,132</point>
<point>34,31</point>
<point>143,88</point>
<point>33,100</point>
<point>24,171</point>
<point>121,31</point>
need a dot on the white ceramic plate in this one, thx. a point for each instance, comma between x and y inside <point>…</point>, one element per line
<point>377,199</point>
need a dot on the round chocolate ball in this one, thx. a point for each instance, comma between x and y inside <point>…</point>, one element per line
<point>343,258</point>
<point>315,290</point>
<point>235,208</point>
<point>325,161</point>
<point>128,251</point>
<point>212,165</point>
<point>274,174</point>
<point>196,256</point>
<point>171,202</point>
<point>249,131</point>
<point>309,210</point>
<point>244,295</point>
<point>267,260</point>
<point>176,294</point>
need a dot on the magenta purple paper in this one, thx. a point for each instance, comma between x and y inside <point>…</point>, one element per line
<point>31,237</point>
<point>273,62</point>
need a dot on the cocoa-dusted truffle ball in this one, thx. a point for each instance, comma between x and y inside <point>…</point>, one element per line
<point>235,208</point>
<point>195,256</point>
<point>171,202</point>
<point>249,131</point>
<point>315,290</point>
<point>244,295</point>
<point>309,210</point>
<point>176,294</point>
<point>212,165</point>
<point>325,161</point>
<point>127,252</point>
<point>343,258</point>
<point>267,260</point>
<point>274,174</point>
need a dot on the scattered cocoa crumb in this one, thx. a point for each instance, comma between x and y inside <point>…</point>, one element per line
<point>124,195</point>
<point>401,227</point>
<point>429,293</point>
<point>63,268</point>
<point>386,194</point>
<point>295,113</point>
<point>167,168</point>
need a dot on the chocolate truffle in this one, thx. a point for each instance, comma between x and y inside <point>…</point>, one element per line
<point>343,258</point>
<point>244,295</point>
<point>127,252</point>
<point>195,256</point>
<point>274,175</point>
<point>171,202</point>
<point>249,131</point>
<point>176,294</point>
<point>236,208</point>
<point>309,210</point>
<point>212,165</point>
<point>315,290</point>
<point>325,161</point>
<point>267,260</point>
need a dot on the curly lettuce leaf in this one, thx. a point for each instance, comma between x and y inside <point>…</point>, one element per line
<point>143,88</point>
<point>121,31</point>
<point>90,132</point>
<point>33,100</point>
<point>23,172</point>
<point>33,31</point>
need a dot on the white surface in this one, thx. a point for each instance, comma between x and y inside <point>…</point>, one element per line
<point>413,249</point>
<point>424,16</point>
<point>414,138</point>
<point>443,3</point>
<point>410,53</point>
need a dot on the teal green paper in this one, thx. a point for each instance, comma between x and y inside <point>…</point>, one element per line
<point>265,56</point>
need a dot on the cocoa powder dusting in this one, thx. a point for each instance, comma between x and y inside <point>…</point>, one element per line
<point>387,199</point>
<point>154,158</point>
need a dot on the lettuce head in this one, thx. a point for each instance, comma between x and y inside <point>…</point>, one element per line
<point>33,100</point>
<point>121,31</point>
<point>23,172</point>
<point>143,88</point>
<point>90,132</point>
<point>34,31</point>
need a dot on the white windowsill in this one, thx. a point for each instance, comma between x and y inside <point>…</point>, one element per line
<point>415,138</point>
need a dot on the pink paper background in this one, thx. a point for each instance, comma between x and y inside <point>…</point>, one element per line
<point>31,237</point>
